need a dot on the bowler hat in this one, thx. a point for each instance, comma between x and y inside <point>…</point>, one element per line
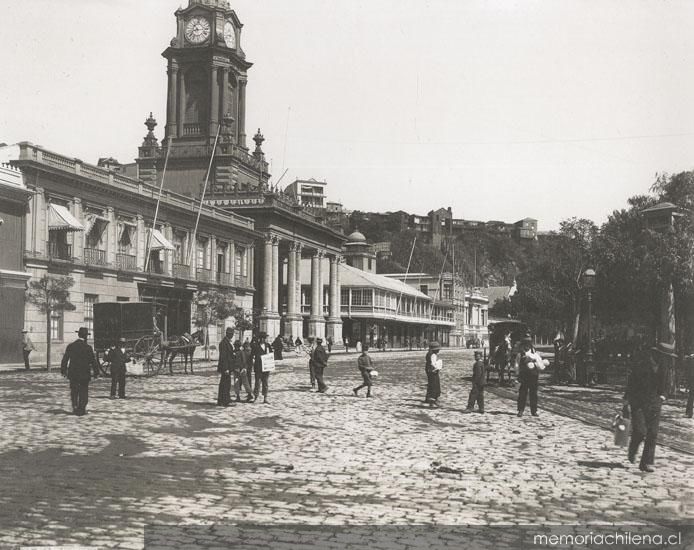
<point>83,332</point>
<point>319,340</point>
<point>434,345</point>
<point>230,330</point>
<point>262,335</point>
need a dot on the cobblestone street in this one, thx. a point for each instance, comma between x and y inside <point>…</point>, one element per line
<point>168,455</point>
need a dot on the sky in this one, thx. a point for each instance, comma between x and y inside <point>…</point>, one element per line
<point>500,109</point>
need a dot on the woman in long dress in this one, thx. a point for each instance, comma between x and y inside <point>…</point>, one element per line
<point>432,370</point>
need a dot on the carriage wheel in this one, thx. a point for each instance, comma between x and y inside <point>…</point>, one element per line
<point>148,350</point>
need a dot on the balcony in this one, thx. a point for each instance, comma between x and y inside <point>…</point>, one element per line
<point>59,251</point>
<point>226,279</point>
<point>156,267</point>
<point>206,276</point>
<point>181,271</point>
<point>192,129</point>
<point>94,256</point>
<point>242,282</point>
<point>126,262</point>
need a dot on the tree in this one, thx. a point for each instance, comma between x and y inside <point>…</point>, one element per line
<point>549,278</point>
<point>49,294</point>
<point>213,306</point>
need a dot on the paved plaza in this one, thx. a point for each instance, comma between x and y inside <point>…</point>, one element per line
<point>168,456</point>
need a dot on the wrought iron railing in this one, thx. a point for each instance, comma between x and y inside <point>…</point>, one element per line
<point>59,251</point>
<point>126,262</point>
<point>94,256</point>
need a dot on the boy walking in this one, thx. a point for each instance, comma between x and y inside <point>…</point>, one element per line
<point>478,381</point>
<point>365,367</point>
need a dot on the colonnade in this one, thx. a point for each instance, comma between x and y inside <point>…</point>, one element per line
<point>277,251</point>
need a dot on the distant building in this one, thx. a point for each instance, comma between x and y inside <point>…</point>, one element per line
<point>382,249</point>
<point>439,224</point>
<point>468,309</point>
<point>375,306</point>
<point>14,197</point>
<point>308,192</point>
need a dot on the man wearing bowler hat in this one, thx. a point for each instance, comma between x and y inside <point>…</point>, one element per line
<point>529,376</point>
<point>646,389</point>
<point>262,379</point>
<point>320,361</point>
<point>118,357</point>
<point>77,365</point>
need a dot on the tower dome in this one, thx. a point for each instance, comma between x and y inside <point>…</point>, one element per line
<point>356,237</point>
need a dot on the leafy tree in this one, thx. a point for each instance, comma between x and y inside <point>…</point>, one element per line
<point>213,306</point>
<point>49,294</point>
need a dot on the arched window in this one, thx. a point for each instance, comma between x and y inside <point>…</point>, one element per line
<point>197,96</point>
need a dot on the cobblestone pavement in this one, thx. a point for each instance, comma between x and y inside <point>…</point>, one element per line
<point>168,456</point>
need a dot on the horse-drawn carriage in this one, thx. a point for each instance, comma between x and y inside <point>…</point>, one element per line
<point>148,345</point>
<point>504,338</point>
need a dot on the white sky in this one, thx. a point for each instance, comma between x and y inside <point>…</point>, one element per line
<point>501,110</point>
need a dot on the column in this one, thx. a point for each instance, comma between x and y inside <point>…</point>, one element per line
<point>78,237</point>
<point>267,276</point>
<point>214,102</point>
<point>231,262</point>
<point>316,321</point>
<point>172,102</point>
<point>168,254</point>
<point>251,265</point>
<point>291,281</point>
<point>141,242</point>
<point>224,71</point>
<point>335,318</point>
<point>275,275</point>
<point>241,124</point>
<point>294,323</point>
<point>181,102</point>
<point>213,257</point>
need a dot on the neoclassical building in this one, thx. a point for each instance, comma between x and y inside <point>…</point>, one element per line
<point>205,152</point>
<point>98,226</point>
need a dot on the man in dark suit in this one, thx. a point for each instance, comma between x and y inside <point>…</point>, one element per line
<point>77,364</point>
<point>646,389</point>
<point>320,361</point>
<point>478,380</point>
<point>529,376</point>
<point>262,379</point>
<point>118,357</point>
<point>224,367</point>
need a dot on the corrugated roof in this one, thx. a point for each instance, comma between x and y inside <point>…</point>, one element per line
<point>351,276</point>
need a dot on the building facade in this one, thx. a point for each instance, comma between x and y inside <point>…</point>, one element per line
<point>467,308</point>
<point>97,227</point>
<point>13,276</point>
<point>308,192</point>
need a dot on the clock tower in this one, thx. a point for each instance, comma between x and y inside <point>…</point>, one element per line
<point>207,77</point>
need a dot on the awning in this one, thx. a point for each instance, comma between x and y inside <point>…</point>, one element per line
<point>94,220</point>
<point>159,242</point>
<point>59,218</point>
<point>126,230</point>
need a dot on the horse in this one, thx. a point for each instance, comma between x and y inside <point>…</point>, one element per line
<point>185,345</point>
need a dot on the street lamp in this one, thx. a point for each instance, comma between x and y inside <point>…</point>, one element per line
<point>589,285</point>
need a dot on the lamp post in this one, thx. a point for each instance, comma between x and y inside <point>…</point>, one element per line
<point>589,285</point>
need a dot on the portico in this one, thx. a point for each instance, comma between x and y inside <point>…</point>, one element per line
<point>285,310</point>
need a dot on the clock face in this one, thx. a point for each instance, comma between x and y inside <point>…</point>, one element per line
<point>229,34</point>
<point>197,30</point>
